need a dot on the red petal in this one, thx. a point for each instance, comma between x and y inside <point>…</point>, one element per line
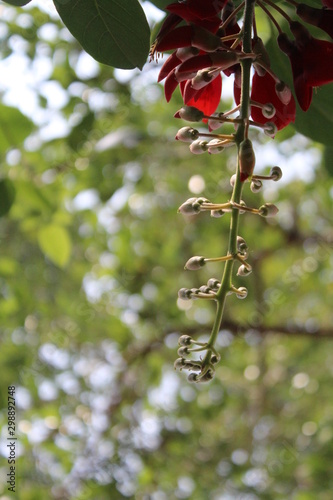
<point>170,85</point>
<point>179,37</point>
<point>209,97</point>
<point>171,63</point>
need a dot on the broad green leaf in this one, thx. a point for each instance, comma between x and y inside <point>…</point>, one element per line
<point>14,127</point>
<point>114,32</point>
<point>17,3</point>
<point>7,196</point>
<point>55,243</point>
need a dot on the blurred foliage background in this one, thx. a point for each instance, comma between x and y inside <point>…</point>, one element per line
<point>92,256</point>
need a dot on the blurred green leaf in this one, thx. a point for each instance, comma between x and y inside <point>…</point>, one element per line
<point>7,196</point>
<point>14,127</point>
<point>55,243</point>
<point>114,32</point>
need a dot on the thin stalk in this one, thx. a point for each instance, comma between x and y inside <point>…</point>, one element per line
<point>240,135</point>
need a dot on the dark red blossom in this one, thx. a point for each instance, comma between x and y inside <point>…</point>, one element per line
<point>193,10</point>
<point>311,61</point>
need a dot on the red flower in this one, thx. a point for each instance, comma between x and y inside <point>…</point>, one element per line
<point>264,91</point>
<point>311,61</point>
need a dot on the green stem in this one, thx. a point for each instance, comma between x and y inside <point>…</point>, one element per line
<point>238,186</point>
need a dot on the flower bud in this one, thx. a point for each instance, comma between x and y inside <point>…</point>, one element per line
<point>268,110</point>
<point>256,185</point>
<point>276,173</point>
<point>201,79</point>
<point>215,359</point>
<point>233,180</point>
<point>187,134</point>
<point>241,293</point>
<point>241,245</point>
<point>205,289</point>
<point>205,40</point>
<point>243,204</point>
<point>195,263</point>
<point>183,351</point>
<point>184,293</point>
<point>217,213</point>
<point>190,114</point>
<point>215,146</point>
<point>268,210</point>
<point>244,270</point>
<point>213,283</point>
<point>215,124</point>
<point>270,129</point>
<point>247,159</point>
<point>259,49</point>
<point>193,377</point>
<point>209,375</point>
<point>185,340</point>
<point>185,53</point>
<point>198,147</point>
<point>190,207</point>
<point>179,364</point>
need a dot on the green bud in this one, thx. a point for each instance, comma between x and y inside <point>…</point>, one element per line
<point>247,159</point>
<point>268,210</point>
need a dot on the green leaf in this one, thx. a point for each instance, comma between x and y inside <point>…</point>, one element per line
<point>55,243</point>
<point>114,32</point>
<point>14,127</point>
<point>17,3</point>
<point>317,122</point>
<point>7,196</point>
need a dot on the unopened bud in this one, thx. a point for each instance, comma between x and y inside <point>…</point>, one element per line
<point>276,173</point>
<point>198,147</point>
<point>241,245</point>
<point>215,146</point>
<point>217,213</point>
<point>233,180</point>
<point>195,263</point>
<point>244,270</point>
<point>187,134</point>
<point>185,340</point>
<point>193,377</point>
<point>201,79</point>
<point>179,364</point>
<point>190,207</point>
<point>183,351</point>
<point>213,283</point>
<point>259,49</point>
<point>190,114</point>
<point>270,129</point>
<point>241,293</point>
<point>268,111</point>
<point>215,358</point>
<point>215,124</point>
<point>185,53</point>
<point>247,159</point>
<point>256,185</point>
<point>185,293</point>
<point>268,210</point>
<point>205,289</point>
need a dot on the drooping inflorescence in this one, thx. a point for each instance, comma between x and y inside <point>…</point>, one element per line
<point>209,44</point>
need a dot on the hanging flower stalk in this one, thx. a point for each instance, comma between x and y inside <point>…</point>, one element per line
<point>209,45</point>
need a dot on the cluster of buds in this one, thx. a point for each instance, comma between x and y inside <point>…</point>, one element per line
<point>202,369</point>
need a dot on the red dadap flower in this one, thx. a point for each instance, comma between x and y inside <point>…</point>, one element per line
<point>311,61</point>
